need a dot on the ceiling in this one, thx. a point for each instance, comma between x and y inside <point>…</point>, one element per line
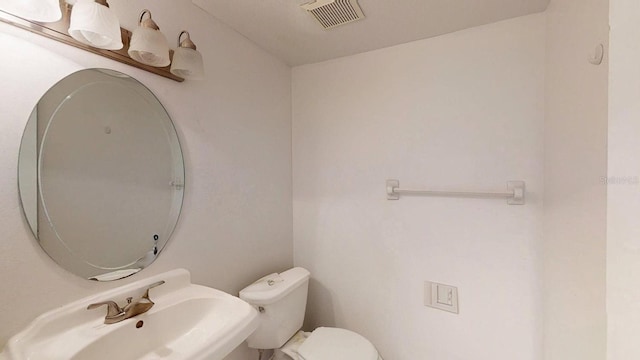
<point>290,33</point>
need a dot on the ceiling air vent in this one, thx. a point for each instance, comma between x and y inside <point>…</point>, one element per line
<point>332,13</point>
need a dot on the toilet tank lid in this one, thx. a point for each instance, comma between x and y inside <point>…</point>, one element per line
<point>274,287</point>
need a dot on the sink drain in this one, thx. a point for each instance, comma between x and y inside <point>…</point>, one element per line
<point>139,324</point>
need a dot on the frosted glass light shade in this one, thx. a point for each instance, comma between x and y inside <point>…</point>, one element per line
<point>149,46</point>
<point>95,25</point>
<point>187,63</point>
<point>35,10</point>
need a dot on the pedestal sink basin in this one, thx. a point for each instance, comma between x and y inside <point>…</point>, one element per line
<point>188,321</point>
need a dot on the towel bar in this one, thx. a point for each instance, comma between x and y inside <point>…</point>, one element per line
<point>514,194</point>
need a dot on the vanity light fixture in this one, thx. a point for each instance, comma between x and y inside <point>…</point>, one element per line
<point>187,61</point>
<point>146,48</point>
<point>34,10</point>
<point>148,45</point>
<point>94,24</point>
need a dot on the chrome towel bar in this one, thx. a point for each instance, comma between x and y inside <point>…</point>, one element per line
<point>514,194</point>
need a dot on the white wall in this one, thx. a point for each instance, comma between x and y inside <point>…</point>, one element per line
<point>623,196</point>
<point>235,130</point>
<point>575,147</point>
<point>464,110</point>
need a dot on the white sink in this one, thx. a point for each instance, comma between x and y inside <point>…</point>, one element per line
<point>187,322</point>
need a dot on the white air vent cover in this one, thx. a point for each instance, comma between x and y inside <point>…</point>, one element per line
<point>332,13</point>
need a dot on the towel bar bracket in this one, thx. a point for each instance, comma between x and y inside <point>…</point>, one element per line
<point>392,186</point>
<point>517,188</point>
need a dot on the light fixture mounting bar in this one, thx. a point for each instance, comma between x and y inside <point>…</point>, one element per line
<point>58,31</point>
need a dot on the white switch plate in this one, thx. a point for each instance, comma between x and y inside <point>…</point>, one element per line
<point>441,296</point>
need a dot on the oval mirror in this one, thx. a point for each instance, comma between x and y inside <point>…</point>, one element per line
<point>101,174</point>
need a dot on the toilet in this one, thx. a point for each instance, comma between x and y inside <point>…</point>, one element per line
<point>281,300</point>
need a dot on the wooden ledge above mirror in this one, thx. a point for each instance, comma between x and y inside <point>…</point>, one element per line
<point>59,31</point>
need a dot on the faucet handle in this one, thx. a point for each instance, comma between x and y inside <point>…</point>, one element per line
<point>113,309</point>
<point>155,284</point>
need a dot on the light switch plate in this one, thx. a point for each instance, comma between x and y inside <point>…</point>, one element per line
<point>441,296</point>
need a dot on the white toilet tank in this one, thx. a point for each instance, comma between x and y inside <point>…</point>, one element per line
<point>281,300</point>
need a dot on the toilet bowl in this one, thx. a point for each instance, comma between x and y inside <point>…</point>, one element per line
<point>327,343</point>
<point>281,300</point>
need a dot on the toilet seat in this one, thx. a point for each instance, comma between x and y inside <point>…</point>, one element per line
<point>337,344</point>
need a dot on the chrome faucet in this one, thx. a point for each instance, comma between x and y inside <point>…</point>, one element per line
<point>116,314</point>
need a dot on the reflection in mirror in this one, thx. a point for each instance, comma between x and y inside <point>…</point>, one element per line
<point>101,174</point>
